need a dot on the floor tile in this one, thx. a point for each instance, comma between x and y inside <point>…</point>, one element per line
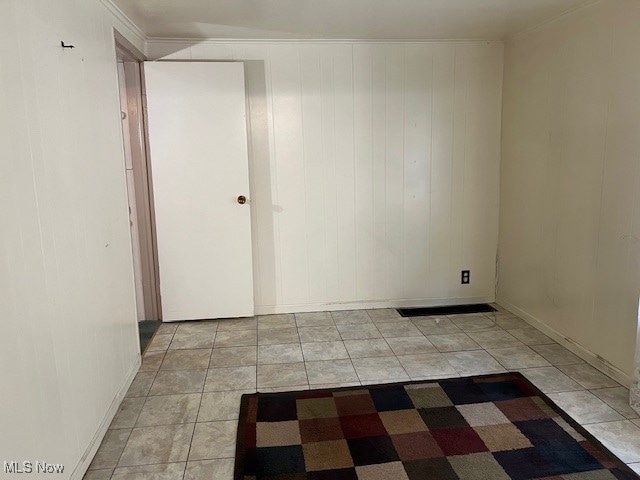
<point>398,329</point>
<point>110,449</point>
<point>186,359</point>
<point>102,474</point>
<point>410,345</point>
<point>161,444</point>
<point>584,407</point>
<point>588,376</point>
<point>217,406</point>
<point>494,339</point>
<point>557,354</point>
<point>234,356</point>
<point>214,440</point>
<point>472,323</point>
<point>167,328</point>
<point>324,333</point>
<point>204,327</point>
<point>284,388</point>
<point>229,324</point>
<point>350,317</point>
<point>191,340</point>
<point>230,378</point>
<point>322,386</point>
<point>286,353</point>
<point>550,380</point>
<point>453,342</point>
<point>382,314</point>
<point>283,320</point>
<point>169,382</point>
<point>622,438</point>
<point>141,384</point>
<point>324,351</point>
<point>508,322</point>
<point>163,471</point>
<point>427,365</point>
<point>331,371</point>
<point>281,375</point>
<point>313,319</point>
<point>236,338</point>
<point>278,335</point>
<point>127,413</point>
<point>219,469</point>
<point>435,325</point>
<point>151,361</point>
<point>159,342</point>
<point>358,331</point>
<point>175,380</point>
<point>474,362</point>
<point>372,347</point>
<point>379,369</point>
<point>169,409</point>
<point>635,467</point>
<point>530,336</point>
<point>618,399</point>
<point>518,357</point>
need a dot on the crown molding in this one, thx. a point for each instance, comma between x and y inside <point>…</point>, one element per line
<point>127,22</point>
<point>213,41</point>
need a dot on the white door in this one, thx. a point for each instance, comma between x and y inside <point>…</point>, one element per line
<point>199,169</point>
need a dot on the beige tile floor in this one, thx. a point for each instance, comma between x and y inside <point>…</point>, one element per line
<point>179,418</point>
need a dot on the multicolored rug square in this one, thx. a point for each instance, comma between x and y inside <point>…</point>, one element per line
<point>489,427</point>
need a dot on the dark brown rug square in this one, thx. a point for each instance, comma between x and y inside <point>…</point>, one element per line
<point>490,427</point>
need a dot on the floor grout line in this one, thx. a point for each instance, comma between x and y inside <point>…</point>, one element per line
<point>460,371</point>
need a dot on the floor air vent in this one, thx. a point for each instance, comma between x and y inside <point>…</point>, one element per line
<point>446,310</point>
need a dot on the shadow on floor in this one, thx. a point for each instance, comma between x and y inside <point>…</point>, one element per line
<point>146,329</point>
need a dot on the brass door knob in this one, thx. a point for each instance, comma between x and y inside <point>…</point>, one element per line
<point>242,199</point>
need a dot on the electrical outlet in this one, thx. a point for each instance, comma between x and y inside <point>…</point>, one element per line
<point>465,277</point>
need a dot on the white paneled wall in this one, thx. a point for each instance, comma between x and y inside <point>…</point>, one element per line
<point>67,307</point>
<point>570,217</point>
<point>374,169</point>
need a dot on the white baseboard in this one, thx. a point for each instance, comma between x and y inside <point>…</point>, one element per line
<point>359,305</point>
<point>83,465</point>
<point>584,353</point>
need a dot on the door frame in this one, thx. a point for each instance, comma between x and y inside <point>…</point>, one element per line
<point>132,59</point>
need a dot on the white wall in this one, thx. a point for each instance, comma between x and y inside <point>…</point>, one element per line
<point>569,215</point>
<point>67,308</point>
<point>375,169</point>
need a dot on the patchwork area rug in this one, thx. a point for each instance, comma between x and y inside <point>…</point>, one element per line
<point>489,427</point>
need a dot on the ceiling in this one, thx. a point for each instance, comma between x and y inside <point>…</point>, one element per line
<point>341,19</point>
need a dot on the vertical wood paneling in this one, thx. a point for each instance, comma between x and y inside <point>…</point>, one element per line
<point>287,114</point>
<point>481,165</point>
<point>65,251</point>
<point>458,161</point>
<point>328,127</point>
<point>441,174</point>
<point>345,170</point>
<point>363,148</point>
<point>311,83</point>
<point>380,259</point>
<point>369,163</point>
<point>394,169</point>
<point>417,169</point>
<point>569,251</point>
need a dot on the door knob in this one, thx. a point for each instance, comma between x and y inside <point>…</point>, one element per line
<point>242,199</point>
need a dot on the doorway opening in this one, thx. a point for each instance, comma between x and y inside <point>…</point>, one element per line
<point>139,189</point>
